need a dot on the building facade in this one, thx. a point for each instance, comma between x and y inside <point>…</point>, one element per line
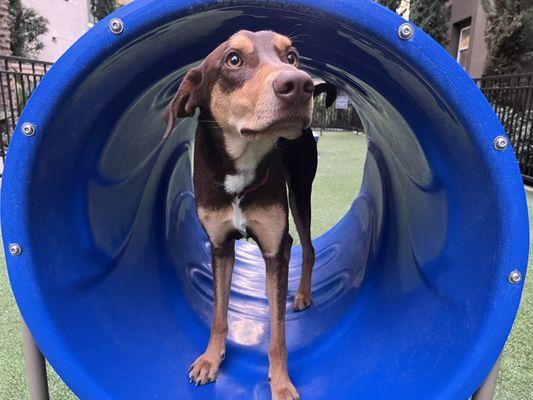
<point>4,29</point>
<point>467,35</point>
<point>67,21</point>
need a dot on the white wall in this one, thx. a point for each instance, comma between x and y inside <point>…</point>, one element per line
<point>67,21</point>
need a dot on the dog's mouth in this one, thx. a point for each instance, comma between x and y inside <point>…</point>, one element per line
<point>288,124</point>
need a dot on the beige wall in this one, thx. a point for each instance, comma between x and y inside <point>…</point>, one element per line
<point>469,12</point>
<point>68,20</point>
<point>478,52</point>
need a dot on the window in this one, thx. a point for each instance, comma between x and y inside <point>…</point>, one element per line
<point>464,45</point>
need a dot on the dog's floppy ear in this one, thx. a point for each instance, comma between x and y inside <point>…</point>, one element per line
<point>329,89</point>
<point>186,99</point>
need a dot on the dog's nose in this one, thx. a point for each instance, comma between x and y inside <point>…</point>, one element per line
<point>293,86</point>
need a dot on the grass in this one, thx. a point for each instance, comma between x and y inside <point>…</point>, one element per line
<point>515,381</point>
<point>335,187</point>
<point>338,179</point>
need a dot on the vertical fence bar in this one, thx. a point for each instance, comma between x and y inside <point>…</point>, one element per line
<point>16,84</point>
<point>505,103</point>
<point>525,156</point>
<point>514,108</point>
<point>4,139</point>
<point>13,123</point>
<point>519,127</point>
<point>22,94</point>
<point>527,168</point>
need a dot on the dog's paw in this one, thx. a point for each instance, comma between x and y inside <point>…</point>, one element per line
<point>205,369</point>
<point>284,390</point>
<point>301,301</point>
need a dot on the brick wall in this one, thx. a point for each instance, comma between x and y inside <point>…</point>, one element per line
<point>4,29</point>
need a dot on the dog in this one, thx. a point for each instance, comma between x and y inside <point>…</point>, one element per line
<point>253,141</point>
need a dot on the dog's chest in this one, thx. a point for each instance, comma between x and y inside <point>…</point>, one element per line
<point>249,156</point>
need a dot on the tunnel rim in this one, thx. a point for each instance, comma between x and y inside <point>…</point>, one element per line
<point>47,96</point>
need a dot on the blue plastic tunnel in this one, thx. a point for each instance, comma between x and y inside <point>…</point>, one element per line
<point>411,292</point>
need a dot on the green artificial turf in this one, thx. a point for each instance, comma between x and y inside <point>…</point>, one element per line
<point>341,157</point>
<point>515,381</point>
<point>338,179</point>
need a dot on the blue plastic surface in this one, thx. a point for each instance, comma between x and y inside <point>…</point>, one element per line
<point>411,297</point>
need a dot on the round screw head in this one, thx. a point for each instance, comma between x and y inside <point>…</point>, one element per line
<point>406,31</point>
<point>116,26</point>
<point>28,129</point>
<point>14,249</point>
<point>500,143</point>
<point>515,277</point>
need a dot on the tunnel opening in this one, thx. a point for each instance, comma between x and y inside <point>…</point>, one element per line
<point>342,147</point>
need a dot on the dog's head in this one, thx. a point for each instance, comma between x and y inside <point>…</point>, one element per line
<point>253,86</point>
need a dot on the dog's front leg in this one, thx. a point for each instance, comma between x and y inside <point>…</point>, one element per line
<point>277,275</point>
<point>205,368</point>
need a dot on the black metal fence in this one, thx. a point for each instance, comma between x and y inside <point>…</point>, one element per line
<point>333,118</point>
<point>18,79</point>
<point>511,97</point>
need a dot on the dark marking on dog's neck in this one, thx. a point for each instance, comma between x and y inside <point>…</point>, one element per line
<point>210,147</point>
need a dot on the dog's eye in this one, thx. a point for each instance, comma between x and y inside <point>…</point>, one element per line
<point>292,58</point>
<point>234,60</point>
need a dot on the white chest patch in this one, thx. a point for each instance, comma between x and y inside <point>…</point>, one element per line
<point>236,183</point>
<point>246,155</point>
<point>246,161</point>
<point>239,220</point>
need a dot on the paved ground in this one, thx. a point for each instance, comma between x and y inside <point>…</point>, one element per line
<point>337,183</point>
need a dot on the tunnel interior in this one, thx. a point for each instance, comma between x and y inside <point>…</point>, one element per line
<point>407,285</point>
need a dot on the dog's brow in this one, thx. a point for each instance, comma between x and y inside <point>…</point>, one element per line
<point>282,42</point>
<point>242,43</point>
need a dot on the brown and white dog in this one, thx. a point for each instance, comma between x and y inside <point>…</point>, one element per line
<point>252,142</point>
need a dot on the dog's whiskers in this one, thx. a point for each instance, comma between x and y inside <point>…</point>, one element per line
<point>293,32</point>
<point>299,38</point>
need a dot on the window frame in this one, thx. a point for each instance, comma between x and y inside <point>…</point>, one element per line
<point>462,48</point>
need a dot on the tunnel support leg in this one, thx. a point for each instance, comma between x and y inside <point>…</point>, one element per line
<point>487,389</point>
<point>35,367</point>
